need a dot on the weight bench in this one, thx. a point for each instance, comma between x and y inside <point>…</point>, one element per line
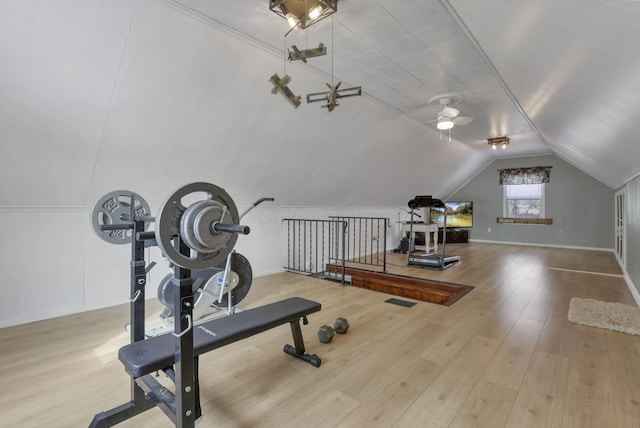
<point>144,357</point>
<point>157,353</point>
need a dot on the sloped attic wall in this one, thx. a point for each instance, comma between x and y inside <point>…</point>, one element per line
<point>141,95</point>
<point>144,95</point>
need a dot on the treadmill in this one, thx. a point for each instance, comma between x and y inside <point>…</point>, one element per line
<point>429,261</point>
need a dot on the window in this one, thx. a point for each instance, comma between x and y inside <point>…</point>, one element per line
<point>523,201</point>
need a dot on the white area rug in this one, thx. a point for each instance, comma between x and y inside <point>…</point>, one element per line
<point>612,316</point>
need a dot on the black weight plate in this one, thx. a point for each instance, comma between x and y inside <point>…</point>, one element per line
<point>241,266</point>
<point>168,226</point>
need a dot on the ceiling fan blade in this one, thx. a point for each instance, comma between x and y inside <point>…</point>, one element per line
<point>462,120</point>
<point>450,112</point>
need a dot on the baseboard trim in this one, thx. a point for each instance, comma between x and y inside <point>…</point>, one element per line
<point>632,288</point>
<point>54,313</point>
<point>269,272</point>
<point>627,279</point>
<point>529,244</point>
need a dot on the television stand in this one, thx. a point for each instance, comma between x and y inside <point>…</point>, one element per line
<point>455,236</point>
<point>428,229</point>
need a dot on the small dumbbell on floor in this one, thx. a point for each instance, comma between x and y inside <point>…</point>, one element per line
<point>326,333</point>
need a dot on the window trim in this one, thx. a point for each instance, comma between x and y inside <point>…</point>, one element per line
<point>522,219</point>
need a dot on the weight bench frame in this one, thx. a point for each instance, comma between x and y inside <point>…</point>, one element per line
<point>157,353</point>
<point>178,354</point>
<point>145,357</point>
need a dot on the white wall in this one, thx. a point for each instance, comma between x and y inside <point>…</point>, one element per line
<point>53,264</point>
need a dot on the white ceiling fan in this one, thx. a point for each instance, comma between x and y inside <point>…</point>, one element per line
<point>448,117</point>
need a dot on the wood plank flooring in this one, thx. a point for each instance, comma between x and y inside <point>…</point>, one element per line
<point>505,355</point>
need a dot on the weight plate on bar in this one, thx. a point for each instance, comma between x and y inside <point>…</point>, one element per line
<point>203,223</point>
<point>196,223</point>
<point>241,266</point>
<point>165,289</point>
<point>186,225</point>
<point>169,225</point>
<point>115,208</point>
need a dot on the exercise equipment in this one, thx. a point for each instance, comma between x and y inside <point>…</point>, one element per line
<point>326,333</point>
<point>158,353</point>
<point>208,227</point>
<point>219,289</point>
<point>115,209</point>
<point>196,229</point>
<point>430,261</point>
<point>341,325</point>
<point>206,288</point>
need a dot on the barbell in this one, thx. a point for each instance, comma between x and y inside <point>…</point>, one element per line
<point>209,226</point>
<point>202,215</point>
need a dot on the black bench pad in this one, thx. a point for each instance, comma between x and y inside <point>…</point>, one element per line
<point>157,353</point>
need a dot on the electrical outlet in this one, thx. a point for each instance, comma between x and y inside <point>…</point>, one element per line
<point>561,234</point>
<point>489,229</point>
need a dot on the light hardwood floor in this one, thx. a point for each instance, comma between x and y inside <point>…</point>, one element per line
<point>503,356</point>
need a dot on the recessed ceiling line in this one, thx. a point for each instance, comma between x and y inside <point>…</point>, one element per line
<point>460,23</point>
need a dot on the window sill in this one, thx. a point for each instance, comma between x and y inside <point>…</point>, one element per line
<point>511,220</point>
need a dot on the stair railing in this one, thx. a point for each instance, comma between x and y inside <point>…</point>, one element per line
<point>366,240</point>
<point>313,244</point>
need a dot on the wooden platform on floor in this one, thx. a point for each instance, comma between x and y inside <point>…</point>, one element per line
<point>426,290</point>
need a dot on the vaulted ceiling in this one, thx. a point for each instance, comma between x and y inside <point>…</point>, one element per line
<point>150,94</point>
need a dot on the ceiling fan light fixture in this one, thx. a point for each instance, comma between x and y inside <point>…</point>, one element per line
<point>498,141</point>
<point>444,123</point>
<point>303,13</point>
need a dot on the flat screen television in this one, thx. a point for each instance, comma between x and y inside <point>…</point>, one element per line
<point>459,215</point>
